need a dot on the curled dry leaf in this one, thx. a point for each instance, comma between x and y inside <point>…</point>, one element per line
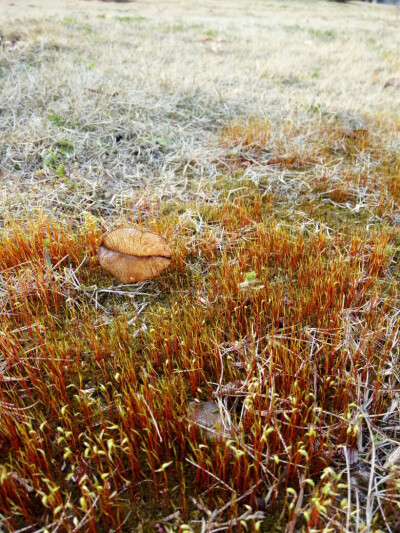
<point>133,255</point>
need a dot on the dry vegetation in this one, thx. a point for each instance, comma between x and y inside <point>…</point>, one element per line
<point>253,385</point>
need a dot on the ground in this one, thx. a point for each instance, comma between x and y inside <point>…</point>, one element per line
<point>253,385</point>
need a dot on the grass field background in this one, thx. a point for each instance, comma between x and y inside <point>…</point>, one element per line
<point>253,385</point>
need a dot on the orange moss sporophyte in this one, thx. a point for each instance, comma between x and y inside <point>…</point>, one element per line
<point>252,385</point>
<point>274,353</point>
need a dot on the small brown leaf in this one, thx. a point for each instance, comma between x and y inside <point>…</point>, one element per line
<point>208,417</point>
<point>392,82</point>
<point>133,255</point>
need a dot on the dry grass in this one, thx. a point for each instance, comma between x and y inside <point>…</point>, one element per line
<point>260,139</point>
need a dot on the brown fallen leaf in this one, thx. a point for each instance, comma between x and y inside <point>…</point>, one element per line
<point>133,255</point>
<point>208,417</point>
<point>392,82</point>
